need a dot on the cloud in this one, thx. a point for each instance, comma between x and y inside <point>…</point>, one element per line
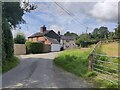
<point>84,14</point>
<point>105,11</point>
<point>16,31</point>
<point>56,28</point>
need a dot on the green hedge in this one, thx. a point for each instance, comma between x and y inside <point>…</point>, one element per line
<point>7,42</point>
<point>34,47</point>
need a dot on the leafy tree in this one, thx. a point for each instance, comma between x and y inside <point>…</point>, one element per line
<point>83,40</point>
<point>111,35</point>
<point>117,32</point>
<point>11,16</point>
<point>20,39</point>
<point>100,33</point>
<point>71,34</point>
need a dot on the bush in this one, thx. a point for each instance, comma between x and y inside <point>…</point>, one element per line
<point>20,39</point>
<point>34,47</point>
<point>28,47</point>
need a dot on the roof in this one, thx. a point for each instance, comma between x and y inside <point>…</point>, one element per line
<point>53,41</point>
<point>39,34</point>
<point>67,37</point>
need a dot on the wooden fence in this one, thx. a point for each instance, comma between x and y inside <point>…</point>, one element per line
<point>19,49</point>
<point>106,67</point>
<point>90,57</point>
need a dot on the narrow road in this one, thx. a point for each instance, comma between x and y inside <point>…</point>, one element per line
<point>39,71</point>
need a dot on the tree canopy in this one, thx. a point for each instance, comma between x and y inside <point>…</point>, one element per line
<point>13,13</point>
<point>11,16</point>
<point>71,34</point>
<point>101,33</point>
<point>20,38</point>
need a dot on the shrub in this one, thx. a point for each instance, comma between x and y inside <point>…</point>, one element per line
<point>28,46</point>
<point>20,39</point>
<point>34,47</point>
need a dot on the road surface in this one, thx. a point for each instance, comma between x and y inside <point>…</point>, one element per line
<point>39,71</point>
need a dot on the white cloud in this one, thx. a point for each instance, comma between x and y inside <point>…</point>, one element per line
<point>57,28</point>
<point>15,32</point>
<point>87,13</point>
<point>105,11</point>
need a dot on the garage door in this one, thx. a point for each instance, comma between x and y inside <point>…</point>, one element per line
<point>55,47</point>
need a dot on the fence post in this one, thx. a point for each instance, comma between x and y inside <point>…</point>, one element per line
<point>90,60</point>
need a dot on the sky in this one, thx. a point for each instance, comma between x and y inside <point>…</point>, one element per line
<point>77,17</point>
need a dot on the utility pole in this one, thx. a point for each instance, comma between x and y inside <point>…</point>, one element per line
<point>86,30</point>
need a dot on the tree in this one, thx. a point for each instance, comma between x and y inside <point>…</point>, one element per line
<point>11,16</point>
<point>117,32</point>
<point>20,39</point>
<point>71,34</point>
<point>83,40</point>
<point>100,33</point>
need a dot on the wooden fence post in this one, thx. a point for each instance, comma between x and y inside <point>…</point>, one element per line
<point>90,60</point>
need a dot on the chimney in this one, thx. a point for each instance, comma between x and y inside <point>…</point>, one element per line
<point>58,32</point>
<point>59,36</point>
<point>43,29</point>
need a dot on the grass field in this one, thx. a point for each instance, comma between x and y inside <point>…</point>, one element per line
<point>111,49</point>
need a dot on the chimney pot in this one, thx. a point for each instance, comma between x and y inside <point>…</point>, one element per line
<point>43,29</point>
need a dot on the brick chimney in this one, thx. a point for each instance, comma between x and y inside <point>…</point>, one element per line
<point>43,29</point>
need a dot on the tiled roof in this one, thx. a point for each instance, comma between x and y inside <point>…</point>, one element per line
<point>67,37</point>
<point>53,41</point>
<point>38,34</point>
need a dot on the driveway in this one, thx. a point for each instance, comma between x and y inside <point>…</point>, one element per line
<point>39,71</point>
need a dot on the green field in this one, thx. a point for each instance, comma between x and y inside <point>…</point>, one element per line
<point>111,49</point>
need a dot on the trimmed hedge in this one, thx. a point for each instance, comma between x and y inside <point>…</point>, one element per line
<point>34,47</point>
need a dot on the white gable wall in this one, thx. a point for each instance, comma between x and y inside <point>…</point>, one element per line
<point>55,47</point>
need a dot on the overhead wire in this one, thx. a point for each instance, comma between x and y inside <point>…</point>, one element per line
<point>71,15</point>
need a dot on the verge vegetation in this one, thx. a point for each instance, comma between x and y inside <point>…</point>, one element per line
<point>34,47</point>
<point>9,64</point>
<point>76,62</point>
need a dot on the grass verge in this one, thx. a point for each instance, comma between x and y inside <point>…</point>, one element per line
<point>74,61</point>
<point>109,49</point>
<point>8,65</point>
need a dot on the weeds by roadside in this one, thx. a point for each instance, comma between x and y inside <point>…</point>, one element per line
<point>6,66</point>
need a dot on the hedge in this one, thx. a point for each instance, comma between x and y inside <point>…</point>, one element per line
<point>7,42</point>
<point>34,47</point>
